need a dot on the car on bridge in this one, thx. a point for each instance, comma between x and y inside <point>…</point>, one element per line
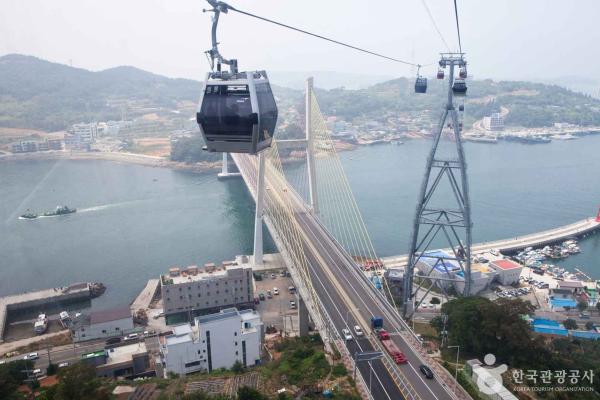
<point>347,335</point>
<point>425,370</point>
<point>358,331</point>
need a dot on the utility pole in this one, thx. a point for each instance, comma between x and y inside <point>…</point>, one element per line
<point>451,223</point>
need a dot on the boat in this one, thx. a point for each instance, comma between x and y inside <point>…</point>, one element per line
<point>29,215</point>
<point>528,139</point>
<point>41,324</point>
<point>65,319</point>
<point>60,210</point>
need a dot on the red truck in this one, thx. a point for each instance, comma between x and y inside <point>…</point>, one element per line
<point>390,347</point>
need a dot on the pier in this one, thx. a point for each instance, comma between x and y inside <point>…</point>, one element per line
<point>510,246</point>
<point>144,299</point>
<point>40,298</point>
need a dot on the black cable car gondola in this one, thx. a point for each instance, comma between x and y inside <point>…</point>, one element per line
<point>461,107</point>
<point>440,74</point>
<point>237,112</point>
<point>459,88</point>
<point>420,82</point>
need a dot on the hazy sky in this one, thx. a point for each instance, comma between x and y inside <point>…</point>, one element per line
<point>507,39</point>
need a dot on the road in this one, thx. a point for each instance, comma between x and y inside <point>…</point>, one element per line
<point>350,299</point>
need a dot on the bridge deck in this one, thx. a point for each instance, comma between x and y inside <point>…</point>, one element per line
<point>350,299</point>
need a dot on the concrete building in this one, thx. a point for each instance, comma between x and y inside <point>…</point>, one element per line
<point>438,264</point>
<point>494,122</point>
<point>508,271</point>
<point>574,287</point>
<point>216,341</point>
<point>102,324</point>
<point>128,361</point>
<point>481,277</point>
<point>207,290</point>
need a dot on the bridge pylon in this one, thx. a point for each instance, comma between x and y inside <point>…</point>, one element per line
<point>432,220</point>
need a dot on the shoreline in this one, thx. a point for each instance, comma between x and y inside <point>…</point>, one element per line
<point>126,158</point>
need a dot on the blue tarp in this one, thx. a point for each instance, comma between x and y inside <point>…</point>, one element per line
<point>586,334</point>
<point>551,330</point>
<point>563,303</point>
<point>547,322</point>
<point>432,257</point>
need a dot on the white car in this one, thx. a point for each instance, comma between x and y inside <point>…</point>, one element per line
<point>131,336</point>
<point>63,364</point>
<point>358,331</point>
<point>346,334</point>
<point>31,356</point>
<point>37,372</point>
<point>275,291</point>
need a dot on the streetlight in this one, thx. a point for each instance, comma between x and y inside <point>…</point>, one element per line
<point>456,366</point>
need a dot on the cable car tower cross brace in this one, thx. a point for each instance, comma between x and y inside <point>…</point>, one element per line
<point>433,221</point>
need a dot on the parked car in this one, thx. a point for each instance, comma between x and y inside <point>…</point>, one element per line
<point>275,291</point>
<point>346,334</point>
<point>291,289</point>
<point>425,370</point>
<point>292,304</point>
<point>63,364</point>
<point>272,276</point>
<point>261,296</point>
<point>282,273</point>
<point>358,331</point>
<point>113,340</point>
<point>31,356</point>
<point>37,372</point>
<point>131,336</point>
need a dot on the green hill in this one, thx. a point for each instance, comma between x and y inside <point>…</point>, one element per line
<point>42,95</point>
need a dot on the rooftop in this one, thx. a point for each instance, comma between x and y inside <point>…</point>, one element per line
<point>570,284</point>
<point>505,264</point>
<point>113,314</point>
<point>121,354</point>
<point>223,314</point>
<point>193,273</point>
<point>440,260</point>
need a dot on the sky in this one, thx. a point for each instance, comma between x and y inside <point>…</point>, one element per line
<point>503,39</point>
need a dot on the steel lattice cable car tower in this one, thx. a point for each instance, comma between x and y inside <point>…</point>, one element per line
<point>430,222</point>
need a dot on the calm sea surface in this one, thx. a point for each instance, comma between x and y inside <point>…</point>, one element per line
<point>134,222</point>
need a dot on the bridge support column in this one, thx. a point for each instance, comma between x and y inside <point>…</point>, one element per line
<point>310,149</point>
<point>258,218</point>
<point>303,320</point>
<point>224,174</point>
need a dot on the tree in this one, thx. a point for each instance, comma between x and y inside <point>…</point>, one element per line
<point>79,381</point>
<point>570,323</point>
<point>238,367</point>
<point>582,305</point>
<point>11,376</point>
<point>589,326</point>
<point>247,393</point>
<point>598,306</point>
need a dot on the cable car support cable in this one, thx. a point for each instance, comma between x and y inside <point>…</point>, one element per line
<point>225,6</point>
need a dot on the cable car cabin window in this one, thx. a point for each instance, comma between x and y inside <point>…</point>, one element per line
<point>268,112</point>
<point>226,110</point>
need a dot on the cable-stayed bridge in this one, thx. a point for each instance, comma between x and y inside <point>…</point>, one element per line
<point>316,224</point>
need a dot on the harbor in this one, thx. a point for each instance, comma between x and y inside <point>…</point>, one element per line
<point>42,298</point>
<point>511,246</point>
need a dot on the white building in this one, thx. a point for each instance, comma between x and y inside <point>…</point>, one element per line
<point>86,133</point>
<point>216,341</point>
<point>102,324</point>
<point>508,271</point>
<point>494,122</point>
<point>207,289</point>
